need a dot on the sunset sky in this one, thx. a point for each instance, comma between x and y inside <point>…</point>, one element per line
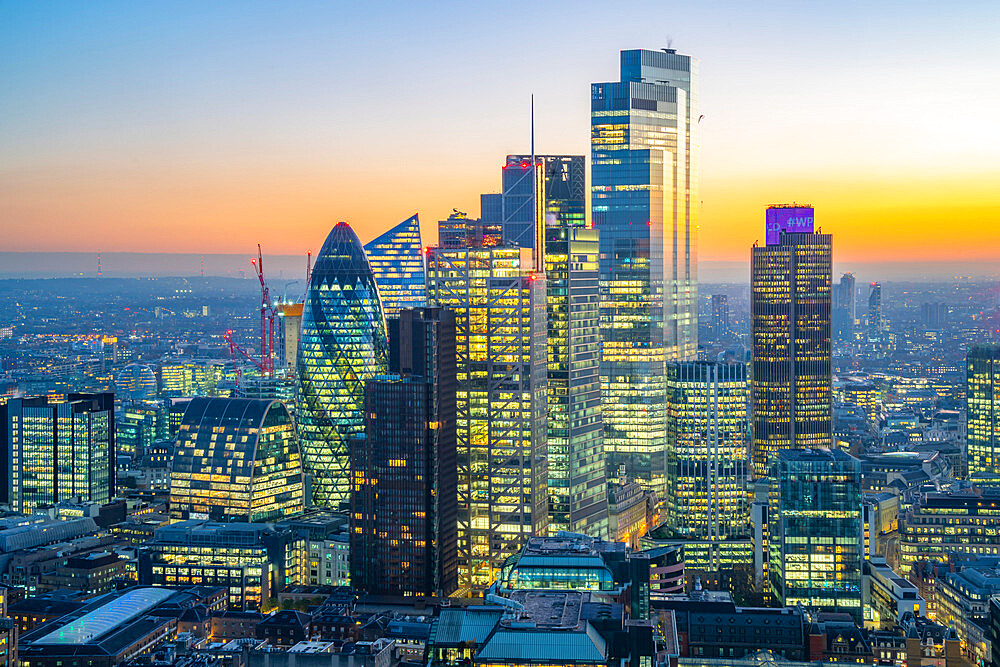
<point>207,127</point>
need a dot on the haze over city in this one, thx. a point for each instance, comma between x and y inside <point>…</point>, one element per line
<point>155,129</point>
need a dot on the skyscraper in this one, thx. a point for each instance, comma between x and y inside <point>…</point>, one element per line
<point>54,451</point>
<point>814,509</point>
<point>844,310</point>
<point>644,150</point>
<point>577,474</point>
<point>875,322</point>
<point>982,363</point>
<point>501,404</point>
<point>563,195</point>
<point>236,459</point>
<point>404,475</point>
<point>708,454</point>
<point>720,316</point>
<point>343,343</point>
<point>792,388</point>
<point>397,261</point>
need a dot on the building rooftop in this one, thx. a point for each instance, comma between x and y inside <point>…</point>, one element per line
<point>112,614</point>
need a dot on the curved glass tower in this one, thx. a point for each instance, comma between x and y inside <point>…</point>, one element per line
<point>236,459</point>
<point>343,343</point>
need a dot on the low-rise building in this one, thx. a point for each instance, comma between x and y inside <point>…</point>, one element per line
<point>254,561</point>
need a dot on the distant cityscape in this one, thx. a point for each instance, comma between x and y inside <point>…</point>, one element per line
<point>543,439</point>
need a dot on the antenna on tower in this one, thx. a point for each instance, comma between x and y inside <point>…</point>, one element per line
<point>100,272</point>
<point>202,266</point>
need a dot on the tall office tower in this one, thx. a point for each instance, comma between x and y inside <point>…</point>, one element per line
<point>563,200</point>
<point>135,382</point>
<point>644,151</point>
<point>814,509</point>
<point>791,373</point>
<point>56,451</point>
<point>875,322</point>
<point>501,406</point>
<point>934,315</point>
<point>288,336</point>
<point>343,343</point>
<point>577,473</point>
<point>404,475</point>
<point>707,445</point>
<point>844,309</point>
<point>397,261</point>
<point>720,316</point>
<point>982,363</point>
<point>236,459</point>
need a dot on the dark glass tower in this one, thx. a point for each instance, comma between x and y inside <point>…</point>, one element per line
<point>875,322</point>
<point>814,509</point>
<point>982,363</point>
<point>404,476</point>
<point>644,150</point>
<point>397,261</point>
<point>343,343</point>
<point>236,459</point>
<point>792,389</point>
<point>720,316</point>
<point>56,451</point>
<point>844,310</point>
<point>563,196</point>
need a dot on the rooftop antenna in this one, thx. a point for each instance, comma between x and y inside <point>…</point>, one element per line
<point>538,190</point>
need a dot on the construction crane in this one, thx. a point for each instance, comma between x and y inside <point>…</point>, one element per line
<point>267,315</point>
<point>265,359</point>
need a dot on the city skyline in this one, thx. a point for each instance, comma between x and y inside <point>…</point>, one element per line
<point>182,148</point>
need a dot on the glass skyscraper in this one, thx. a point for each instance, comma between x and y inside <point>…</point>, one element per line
<point>562,184</point>
<point>404,474</point>
<point>844,310</point>
<point>236,459</point>
<point>53,451</point>
<point>343,343</point>
<point>577,474</point>
<point>982,363</point>
<point>708,453</point>
<point>790,311</point>
<point>501,403</point>
<point>815,544</point>
<point>644,150</point>
<point>397,261</point>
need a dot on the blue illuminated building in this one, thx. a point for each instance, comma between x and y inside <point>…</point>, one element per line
<point>397,262</point>
<point>644,152</point>
<point>343,344</point>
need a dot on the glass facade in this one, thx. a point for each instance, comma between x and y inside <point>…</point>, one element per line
<point>708,450</point>
<point>644,150</point>
<point>561,180</point>
<point>577,476</point>
<point>139,425</point>
<point>792,386</point>
<point>54,451</point>
<point>343,343</point>
<point>501,402</point>
<point>983,409</point>
<point>397,261</point>
<point>236,459</point>
<point>187,379</point>
<point>404,521</point>
<point>815,530</point>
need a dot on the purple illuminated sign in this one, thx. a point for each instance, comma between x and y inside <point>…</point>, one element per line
<point>787,219</point>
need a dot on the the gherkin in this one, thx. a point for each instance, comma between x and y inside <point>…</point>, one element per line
<point>343,344</point>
